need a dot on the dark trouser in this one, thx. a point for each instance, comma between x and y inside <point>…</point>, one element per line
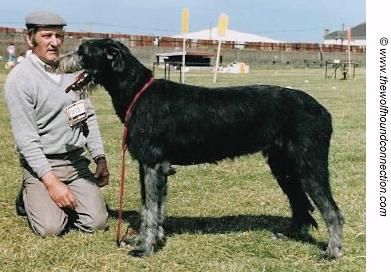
<point>45,217</point>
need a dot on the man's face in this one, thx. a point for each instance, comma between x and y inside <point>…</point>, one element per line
<point>47,43</point>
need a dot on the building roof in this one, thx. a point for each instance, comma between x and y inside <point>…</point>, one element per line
<point>358,33</point>
<point>230,35</point>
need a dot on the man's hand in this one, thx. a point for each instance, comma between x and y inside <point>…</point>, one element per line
<point>58,191</point>
<point>101,173</point>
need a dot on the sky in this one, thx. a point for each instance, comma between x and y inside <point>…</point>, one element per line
<point>290,21</point>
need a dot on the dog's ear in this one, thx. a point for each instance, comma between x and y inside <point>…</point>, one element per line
<point>115,56</point>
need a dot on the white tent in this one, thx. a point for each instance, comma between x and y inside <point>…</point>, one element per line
<point>230,35</point>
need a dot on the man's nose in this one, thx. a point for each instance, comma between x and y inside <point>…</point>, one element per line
<point>54,41</point>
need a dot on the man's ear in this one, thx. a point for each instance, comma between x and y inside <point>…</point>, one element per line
<point>29,42</point>
<point>115,57</point>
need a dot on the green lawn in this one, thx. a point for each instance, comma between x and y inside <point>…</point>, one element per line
<point>219,217</point>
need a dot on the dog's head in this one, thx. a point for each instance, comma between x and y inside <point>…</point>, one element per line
<point>102,56</point>
<point>100,59</point>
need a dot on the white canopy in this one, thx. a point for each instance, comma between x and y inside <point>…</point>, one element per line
<point>230,35</point>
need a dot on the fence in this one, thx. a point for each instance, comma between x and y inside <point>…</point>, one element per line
<point>253,53</point>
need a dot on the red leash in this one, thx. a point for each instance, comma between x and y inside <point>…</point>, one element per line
<point>124,148</point>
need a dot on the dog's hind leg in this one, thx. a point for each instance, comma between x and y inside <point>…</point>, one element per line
<point>321,196</point>
<point>291,186</point>
<point>314,176</point>
<point>153,190</point>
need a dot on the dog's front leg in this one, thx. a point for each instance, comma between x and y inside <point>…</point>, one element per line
<point>164,170</point>
<point>152,190</point>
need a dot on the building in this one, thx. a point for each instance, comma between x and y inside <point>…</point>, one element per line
<point>340,37</point>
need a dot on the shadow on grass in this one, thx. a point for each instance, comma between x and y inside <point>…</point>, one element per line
<point>278,225</point>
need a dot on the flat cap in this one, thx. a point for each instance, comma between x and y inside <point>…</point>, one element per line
<point>44,18</point>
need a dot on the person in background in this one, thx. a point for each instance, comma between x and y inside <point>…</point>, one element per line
<point>53,132</point>
<point>11,50</point>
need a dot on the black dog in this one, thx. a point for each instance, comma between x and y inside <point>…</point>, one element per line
<point>181,124</point>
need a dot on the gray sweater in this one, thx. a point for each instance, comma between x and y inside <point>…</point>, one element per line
<point>36,102</point>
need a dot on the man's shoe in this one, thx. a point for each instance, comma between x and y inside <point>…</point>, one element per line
<point>19,204</point>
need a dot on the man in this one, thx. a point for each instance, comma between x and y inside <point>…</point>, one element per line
<point>51,131</point>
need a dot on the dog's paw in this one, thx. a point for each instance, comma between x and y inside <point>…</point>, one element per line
<point>333,252</point>
<point>130,239</point>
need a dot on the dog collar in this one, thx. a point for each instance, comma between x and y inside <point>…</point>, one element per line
<point>130,109</point>
<point>135,98</point>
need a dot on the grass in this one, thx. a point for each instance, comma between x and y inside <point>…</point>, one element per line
<point>220,217</point>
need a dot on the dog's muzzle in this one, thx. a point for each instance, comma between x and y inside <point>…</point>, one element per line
<point>70,63</point>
